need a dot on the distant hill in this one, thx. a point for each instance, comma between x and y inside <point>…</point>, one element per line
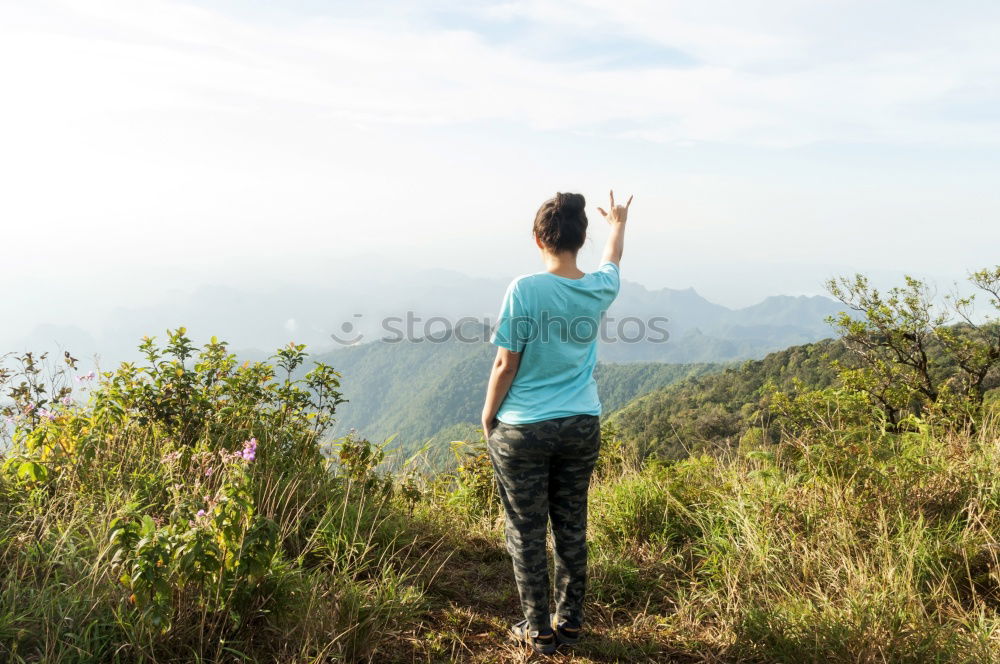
<point>704,332</point>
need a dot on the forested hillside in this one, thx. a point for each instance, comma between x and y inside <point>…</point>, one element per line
<point>618,384</point>
<point>714,411</point>
<point>411,390</point>
<point>432,393</point>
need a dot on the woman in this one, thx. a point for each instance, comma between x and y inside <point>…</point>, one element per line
<point>542,415</point>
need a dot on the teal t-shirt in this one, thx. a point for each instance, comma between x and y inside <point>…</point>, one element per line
<point>555,323</point>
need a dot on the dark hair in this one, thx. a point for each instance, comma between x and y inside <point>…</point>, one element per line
<point>561,223</point>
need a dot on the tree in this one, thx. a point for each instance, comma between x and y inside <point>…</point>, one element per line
<point>916,354</point>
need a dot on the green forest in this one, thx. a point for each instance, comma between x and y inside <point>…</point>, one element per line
<point>831,502</point>
<point>424,395</point>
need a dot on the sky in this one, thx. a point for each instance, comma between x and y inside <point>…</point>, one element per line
<point>150,145</point>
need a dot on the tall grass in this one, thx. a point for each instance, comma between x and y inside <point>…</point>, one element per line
<point>880,552</point>
<point>346,574</point>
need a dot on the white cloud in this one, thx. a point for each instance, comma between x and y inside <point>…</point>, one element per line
<point>771,74</point>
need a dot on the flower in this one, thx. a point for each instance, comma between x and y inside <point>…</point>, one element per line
<point>209,471</point>
<point>86,376</point>
<point>67,400</point>
<point>47,414</point>
<point>200,513</point>
<point>249,452</point>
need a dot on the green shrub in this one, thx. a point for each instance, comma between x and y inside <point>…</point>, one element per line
<point>186,509</point>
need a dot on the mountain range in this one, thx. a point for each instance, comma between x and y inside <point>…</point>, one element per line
<point>359,307</point>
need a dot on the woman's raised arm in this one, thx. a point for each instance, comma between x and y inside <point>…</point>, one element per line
<point>616,240</point>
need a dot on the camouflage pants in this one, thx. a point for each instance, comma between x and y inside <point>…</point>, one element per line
<point>543,472</point>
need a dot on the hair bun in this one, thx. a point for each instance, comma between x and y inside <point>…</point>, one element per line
<point>561,223</point>
<point>570,203</point>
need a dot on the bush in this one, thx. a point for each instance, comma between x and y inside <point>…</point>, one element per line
<point>187,509</point>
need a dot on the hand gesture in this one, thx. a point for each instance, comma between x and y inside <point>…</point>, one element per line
<point>619,213</point>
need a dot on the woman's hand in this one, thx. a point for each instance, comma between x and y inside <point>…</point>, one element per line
<point>619,213</point>
<point>616,239</point>
<point>489,423</point>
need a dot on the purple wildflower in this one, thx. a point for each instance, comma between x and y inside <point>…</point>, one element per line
<point>249,452</point>
<point>209,471</point>
<point>200,513</point>
<point>47,414</point>
<point>67,400</point>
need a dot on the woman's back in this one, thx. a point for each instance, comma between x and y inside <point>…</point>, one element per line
<point>555,323</point>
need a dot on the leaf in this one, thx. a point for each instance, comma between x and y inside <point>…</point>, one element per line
<point>32,470</point>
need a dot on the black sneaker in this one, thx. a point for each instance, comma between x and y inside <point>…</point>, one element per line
<point>565,633</point>
<point>543,644</point>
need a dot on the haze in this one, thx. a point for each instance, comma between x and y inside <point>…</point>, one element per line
<point>155,147</point>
